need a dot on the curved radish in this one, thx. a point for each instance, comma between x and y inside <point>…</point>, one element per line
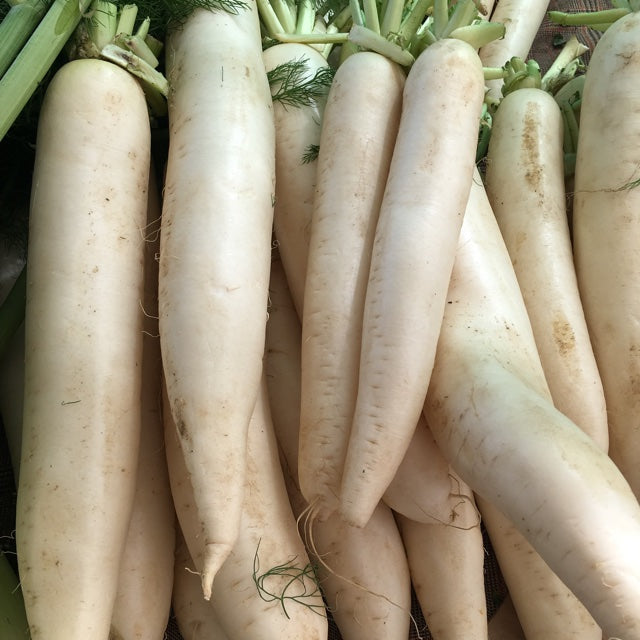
<point>606,231</point>
<point>83,348</point>
<point>358,133</point>
<point>525,186</point>
<point>364,573</point>
<point>491,413</point>
<point>413,253</point>
<point>215,252</point>
<point>297,130</point>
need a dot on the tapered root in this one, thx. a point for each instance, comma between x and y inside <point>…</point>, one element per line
<point>215,553</point>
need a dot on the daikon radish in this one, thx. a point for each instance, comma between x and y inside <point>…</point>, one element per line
<point>491,413</point>
<point>215,250</point>
<point>83,348</point>
<point>606,228</point>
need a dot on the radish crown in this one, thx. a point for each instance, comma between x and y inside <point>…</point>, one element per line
<point>398,29</point>
<point>108,32</point>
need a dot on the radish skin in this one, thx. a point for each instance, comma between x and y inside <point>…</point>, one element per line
<point>545,607</point>
<point>369,599</point>
<point>359,129</point>
<point>297,129</point>
<point>515,449</point>
<point>414,248</point>
<point>83,348</point>
<point>606,231</point>
<point>214,257</point>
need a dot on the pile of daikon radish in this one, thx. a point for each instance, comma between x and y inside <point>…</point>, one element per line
<point>290,374</point>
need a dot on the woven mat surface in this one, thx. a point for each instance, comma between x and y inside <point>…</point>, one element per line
<point>543,51</point>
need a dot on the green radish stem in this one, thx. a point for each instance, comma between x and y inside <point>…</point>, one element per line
<point>16,28</point>
<point>594,19</point>
<point>28,69</point>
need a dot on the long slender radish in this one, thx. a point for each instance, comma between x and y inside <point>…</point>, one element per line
<point>143,600</point>
<point>368,600</point>
<point>490,411</point>
<point>606,228</point>
<point>413,253</point>
<point>446,561</point>
<point>83,348</point>
<point>297,132</point>
<point>525,186</point>
<point>359,129</point>
<point>266,588</point>
<point>214,256</point>
<point>521,20</point>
